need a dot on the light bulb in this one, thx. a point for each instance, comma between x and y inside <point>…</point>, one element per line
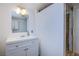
<point>23,12</point>
<point>18,10</point>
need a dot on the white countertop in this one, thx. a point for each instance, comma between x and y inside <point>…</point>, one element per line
<point>18,39</point>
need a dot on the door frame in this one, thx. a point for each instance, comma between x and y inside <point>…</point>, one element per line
<point>71,13</point>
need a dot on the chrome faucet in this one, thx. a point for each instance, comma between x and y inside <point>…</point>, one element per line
<point>22,36</point>
<point>28,33</point>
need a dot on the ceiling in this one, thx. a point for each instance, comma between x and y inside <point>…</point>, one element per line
<point>29,5</point>
<point>39,6</point>
<point>36,6</point>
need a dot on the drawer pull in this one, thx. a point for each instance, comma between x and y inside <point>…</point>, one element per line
<point>16,46</point>
<point>25,49</point>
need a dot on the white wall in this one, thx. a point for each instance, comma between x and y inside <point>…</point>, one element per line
<point>50,30</point>
<point>76,29</point>
<point>5,23</point>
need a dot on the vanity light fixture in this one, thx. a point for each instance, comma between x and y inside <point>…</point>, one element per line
<point>18,10</point>
<point>21,11</point>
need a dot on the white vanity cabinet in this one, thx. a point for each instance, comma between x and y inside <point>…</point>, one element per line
<point>23,48</point>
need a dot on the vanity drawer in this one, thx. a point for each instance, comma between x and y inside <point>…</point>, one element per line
<point>23,48</point>
<point>19,44</point>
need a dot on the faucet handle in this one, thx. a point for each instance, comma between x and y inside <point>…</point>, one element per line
<point>22,36</point>
<point>28,33</point>
<point>31,31</point>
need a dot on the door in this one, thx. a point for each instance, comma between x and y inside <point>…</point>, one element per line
<point>50,30</point>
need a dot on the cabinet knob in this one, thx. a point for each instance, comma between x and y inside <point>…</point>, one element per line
<point>16,46</point>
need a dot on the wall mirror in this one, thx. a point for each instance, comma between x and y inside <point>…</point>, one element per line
<point>19,20</point>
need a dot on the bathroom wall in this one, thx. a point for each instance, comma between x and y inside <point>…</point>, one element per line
<point>50,30</point>
<point>5,23</point>
<point>76,29</point>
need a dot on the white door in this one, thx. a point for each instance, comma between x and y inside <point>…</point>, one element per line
<point>50,30</point>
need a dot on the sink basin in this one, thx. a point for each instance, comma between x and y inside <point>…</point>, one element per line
<point>17,39</point>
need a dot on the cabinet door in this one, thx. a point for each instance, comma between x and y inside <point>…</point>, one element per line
<point>29,48</point>
<point>33,49</point>
<point>30,51</point>
<point>27,52</point>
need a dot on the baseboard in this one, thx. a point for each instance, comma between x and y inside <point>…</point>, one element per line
<point>76,54</point>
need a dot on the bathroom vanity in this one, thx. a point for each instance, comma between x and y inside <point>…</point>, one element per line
<point>27,46</point>
<point>21,44</point>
